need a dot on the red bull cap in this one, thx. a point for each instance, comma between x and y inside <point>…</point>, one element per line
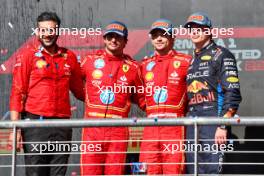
<point>199,18</point>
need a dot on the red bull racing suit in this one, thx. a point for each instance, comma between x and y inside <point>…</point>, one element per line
<point>165,82</point>
<point>213,90</point>
<point>105,76</point>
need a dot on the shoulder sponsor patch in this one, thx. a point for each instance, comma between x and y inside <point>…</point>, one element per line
<point>38,54</point>
<point>150,65</point>
<point>99,63</point>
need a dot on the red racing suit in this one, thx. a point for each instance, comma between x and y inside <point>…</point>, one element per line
<point>41,82</point>
<point>166,97</point>
<point>105,75</point>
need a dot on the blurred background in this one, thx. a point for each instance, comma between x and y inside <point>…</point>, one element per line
<point>18,17</point>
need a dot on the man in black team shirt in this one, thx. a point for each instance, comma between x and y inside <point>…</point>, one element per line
<point>213,90</point>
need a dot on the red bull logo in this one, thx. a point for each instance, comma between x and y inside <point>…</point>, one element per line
<point>199,98</point>
<point>197,86</point>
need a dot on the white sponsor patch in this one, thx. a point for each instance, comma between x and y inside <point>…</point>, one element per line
<point>123,78</point>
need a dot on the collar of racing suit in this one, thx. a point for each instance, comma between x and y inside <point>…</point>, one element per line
<point>59,50</point>
<point>205,48</point>
<point>110,56</point>
<point>170,55</point>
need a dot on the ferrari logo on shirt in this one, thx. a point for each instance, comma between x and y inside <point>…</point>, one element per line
<point>149,76</point>
<point>41,63</point>
<point>125,68</point>
<point>176,64</point>
<point>97,74</point>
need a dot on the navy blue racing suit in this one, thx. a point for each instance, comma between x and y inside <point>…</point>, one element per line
<point>213,89</point>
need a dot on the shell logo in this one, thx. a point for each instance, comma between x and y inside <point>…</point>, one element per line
<point>97,74</point>
<point>41,63</point>
<point>149,76</point>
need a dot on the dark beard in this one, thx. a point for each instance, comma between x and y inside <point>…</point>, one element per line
<point>53,42</point>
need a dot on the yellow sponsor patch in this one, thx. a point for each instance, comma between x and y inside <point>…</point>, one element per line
<point>41,63</point>
<point>232,79</point>
<point>206,58</point>
<point>125,68</point>
<point>97,74</point>
<point>149,76</point>
<point>176,64</point>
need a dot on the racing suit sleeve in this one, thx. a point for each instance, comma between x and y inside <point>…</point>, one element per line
<point>139,95</point>
<point>84,64</point>
<point>21,76</point>
<point>76,81</point>
<point>229,83</point>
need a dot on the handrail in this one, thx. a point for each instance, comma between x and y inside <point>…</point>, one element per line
<point>134,122</point>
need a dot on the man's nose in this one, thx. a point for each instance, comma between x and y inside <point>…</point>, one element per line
<point>159,37</point>
<point>113,39</point>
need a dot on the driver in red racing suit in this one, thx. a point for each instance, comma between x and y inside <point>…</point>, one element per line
<point>165,73</point>
<point>106,72</point>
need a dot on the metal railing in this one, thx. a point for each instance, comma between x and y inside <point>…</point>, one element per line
<point>128,122</point>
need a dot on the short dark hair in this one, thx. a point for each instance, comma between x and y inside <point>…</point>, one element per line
<point>49,16</point>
